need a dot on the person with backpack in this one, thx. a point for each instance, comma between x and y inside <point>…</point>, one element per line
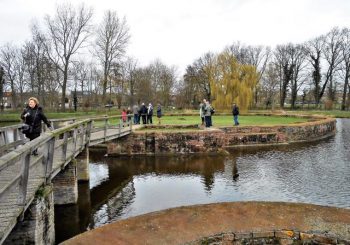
<point>149,113</point>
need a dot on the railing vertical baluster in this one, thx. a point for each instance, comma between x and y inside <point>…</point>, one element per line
<point>15,136</point>
<point>88,133</point>
<point>120,127</point>
<point>64,146</point>
<point>6,139</point>
<point>24,178</point>
<point>48,158</point>
<point>75,135</point>
<point>105,131</point>
<point>82,136</point>
<point>130,123</point>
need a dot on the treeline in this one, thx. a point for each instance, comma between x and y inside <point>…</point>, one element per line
<point>316,71</point>
<point>69,55</point>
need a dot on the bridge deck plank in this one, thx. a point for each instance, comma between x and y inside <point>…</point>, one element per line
<point>10,210</point>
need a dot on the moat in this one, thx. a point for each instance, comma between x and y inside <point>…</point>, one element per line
<point>317,173</point>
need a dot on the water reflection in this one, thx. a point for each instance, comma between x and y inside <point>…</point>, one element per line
<point>317,172</point>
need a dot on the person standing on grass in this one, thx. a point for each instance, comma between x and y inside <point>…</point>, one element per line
<point>235,113</point>
<point>124,114</point>
<point>159,112</point>
<point>207,114</point>
<point>32,115</point>
<point>143,113</point>
<point>135,111</point>
<point>149,113</point>
<point>201,112</point>
<point>128,112</point>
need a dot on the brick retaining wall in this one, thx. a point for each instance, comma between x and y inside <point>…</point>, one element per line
<point>216,140</point>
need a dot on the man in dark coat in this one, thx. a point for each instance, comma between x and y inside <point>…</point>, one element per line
<point>32,115</point>
<point>235,113</point>
<point>143,112</point>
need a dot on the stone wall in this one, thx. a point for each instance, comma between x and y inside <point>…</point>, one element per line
<point>216,140</point>
<point>38,225</point>
<point>271,237</point>
<point>65,185</point>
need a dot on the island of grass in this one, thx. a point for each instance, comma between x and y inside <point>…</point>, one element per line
<point>185,123</point>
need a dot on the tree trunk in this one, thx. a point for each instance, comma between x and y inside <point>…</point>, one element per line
<point>2,80</point>
<point>64,86</point>
<point>346,82</point>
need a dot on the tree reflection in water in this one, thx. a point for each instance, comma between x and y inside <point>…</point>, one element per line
<point>315,172</point>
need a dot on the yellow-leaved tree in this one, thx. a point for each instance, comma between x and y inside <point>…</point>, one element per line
<point>232,82</point>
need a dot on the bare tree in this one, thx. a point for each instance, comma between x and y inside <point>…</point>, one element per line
<point>129,67</point>
<point>270,82</point>
<point>112,39</point>
<point>68,31</point>
<point>8,56</point>
<point>332,54</point>
<point>298,61</point>
<point>163,79</point>
<point>345,65</point>
<point>286,69</point>
<point>314,50</point>
<point>205,66</point>
<point>2,85</point>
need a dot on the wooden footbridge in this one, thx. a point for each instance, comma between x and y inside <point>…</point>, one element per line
<point>22,174</point>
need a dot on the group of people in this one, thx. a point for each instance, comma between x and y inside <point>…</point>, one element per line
<point>33,115</point>
<point>146,113</point>
<point>206,110</point>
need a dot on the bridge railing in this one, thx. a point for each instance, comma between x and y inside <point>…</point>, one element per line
<point>15,166</point>
<point>66,143</point>
<point>22,173</point>
<point>10,138</point>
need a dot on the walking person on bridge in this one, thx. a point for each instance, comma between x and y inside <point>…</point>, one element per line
<point>32,115</point>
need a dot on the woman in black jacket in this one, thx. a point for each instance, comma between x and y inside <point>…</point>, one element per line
<point>33,115</point>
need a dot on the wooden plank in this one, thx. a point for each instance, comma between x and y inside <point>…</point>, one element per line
<point>56,154</point>
<point>24,179</point>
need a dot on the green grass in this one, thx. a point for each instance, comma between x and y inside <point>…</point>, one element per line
<point>228,120</point>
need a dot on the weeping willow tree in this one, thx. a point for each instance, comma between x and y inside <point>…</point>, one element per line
<point>233,82</point>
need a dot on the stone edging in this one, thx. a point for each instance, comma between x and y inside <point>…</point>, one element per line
<point>216,140</point>
<point>271,237</point>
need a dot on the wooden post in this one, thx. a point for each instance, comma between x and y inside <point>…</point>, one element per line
<point>64,146</point>
<point>48,159</point>
<point>75,135</point>
<point>82,129</point>
<point>88,134</point>
<point>24,178</point>
<point>105,131</point>
<point>15,135</point>
<point>6,139</point>
<point>130,123</point>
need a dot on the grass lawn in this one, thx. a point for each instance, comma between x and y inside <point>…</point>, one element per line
<point>228,120</point>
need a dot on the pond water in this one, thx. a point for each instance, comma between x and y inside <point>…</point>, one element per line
<point>119,188</point>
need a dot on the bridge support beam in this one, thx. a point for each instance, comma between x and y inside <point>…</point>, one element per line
<point>65,185</point>
<point>38,226</point>
<point>83,166</point>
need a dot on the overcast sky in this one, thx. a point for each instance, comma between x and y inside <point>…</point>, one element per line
<point>180,31</point>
